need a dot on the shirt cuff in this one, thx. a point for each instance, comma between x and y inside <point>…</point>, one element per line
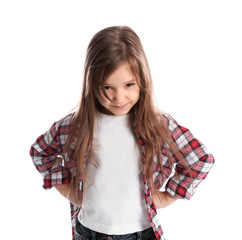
<point>180,189</point>
<point>57,176</point>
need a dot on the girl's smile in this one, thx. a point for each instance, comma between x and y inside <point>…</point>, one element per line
<point>120,107</point>
<point>123,91</point>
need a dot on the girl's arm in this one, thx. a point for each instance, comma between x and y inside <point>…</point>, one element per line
<point>46,155</point>
<point>69,192</point>
<point>198,158</point>
<point>163,200</point>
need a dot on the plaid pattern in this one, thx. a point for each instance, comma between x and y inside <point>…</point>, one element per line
<point>55,170</point>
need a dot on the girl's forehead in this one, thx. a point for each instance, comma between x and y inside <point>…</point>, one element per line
<point>123,72</point>
<point>126,71</point>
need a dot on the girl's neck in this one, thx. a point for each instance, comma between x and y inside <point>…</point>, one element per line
<point>102,114</point>
<point>100,110</point>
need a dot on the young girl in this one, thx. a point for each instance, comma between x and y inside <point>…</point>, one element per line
<point>112,155</point>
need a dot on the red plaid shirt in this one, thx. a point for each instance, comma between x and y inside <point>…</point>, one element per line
<point>55,170</point>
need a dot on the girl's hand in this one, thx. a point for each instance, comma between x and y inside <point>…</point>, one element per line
<point>69,192</point>
<point>163,200</point>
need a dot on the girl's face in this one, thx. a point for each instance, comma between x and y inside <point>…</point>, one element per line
<point>123,91</point>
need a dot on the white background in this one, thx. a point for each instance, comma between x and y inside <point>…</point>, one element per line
<point>195,54</point>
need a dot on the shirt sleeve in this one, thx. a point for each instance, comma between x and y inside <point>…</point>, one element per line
<point>197,157</point>
<point>46,155</point>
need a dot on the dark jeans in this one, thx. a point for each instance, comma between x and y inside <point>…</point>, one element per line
<point>83,233</point>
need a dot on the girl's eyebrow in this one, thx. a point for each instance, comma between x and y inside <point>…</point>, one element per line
<point>130,81</point>
<point>133,80</point>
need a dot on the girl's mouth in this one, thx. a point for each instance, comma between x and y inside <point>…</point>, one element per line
<point>120,107</point>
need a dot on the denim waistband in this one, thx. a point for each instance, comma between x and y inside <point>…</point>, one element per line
<point>90,234</point>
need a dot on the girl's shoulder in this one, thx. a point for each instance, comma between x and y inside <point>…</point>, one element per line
<point>164,116</point>
<point>167,120</point>
<point>64,122</point>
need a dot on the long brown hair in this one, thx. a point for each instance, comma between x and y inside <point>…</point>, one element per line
<point>108,49</point>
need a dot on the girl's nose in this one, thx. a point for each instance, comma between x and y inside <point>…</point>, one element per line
<point>118,97</point>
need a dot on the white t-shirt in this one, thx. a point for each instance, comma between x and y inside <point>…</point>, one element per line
<point>114,201</point>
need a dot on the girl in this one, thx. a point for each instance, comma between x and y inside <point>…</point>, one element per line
<point>111,156</point>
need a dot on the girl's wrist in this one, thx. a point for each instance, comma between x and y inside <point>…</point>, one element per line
<point>163,200</point>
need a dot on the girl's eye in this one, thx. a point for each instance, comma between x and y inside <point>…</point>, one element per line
<point>129,84</point>
<point>107,87</point>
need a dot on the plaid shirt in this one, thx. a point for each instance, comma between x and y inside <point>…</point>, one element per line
<point>56,170</point>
